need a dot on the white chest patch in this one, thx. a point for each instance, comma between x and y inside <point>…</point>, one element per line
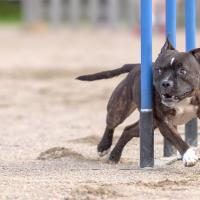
<point>184,112</point>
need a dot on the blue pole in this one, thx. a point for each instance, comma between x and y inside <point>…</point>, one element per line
<point>146,117</point>
<point>169,150</point>
<point>191,132</point>
<point>190,24</point>
<point>171,21</point>
<point>146,55</point>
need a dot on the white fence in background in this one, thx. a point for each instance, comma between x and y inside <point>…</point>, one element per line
<point>78,12</point>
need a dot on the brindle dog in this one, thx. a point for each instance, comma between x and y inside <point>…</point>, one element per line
<point>176,96</point>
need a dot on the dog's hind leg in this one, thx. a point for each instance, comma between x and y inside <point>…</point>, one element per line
<point>128,133</point>
<point>106,142</point>
<point>120,106</point>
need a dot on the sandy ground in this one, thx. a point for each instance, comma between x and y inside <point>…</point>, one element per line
<point>51,123</point>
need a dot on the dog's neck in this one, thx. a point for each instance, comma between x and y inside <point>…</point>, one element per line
<point>185,111</point>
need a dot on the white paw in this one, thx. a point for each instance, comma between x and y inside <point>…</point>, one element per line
<point>190,158</point>
<point>101,154</point>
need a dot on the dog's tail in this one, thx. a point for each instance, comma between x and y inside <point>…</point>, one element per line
<point>108,74</point>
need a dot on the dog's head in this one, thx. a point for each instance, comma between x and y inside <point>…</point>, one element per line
<point>176,74</point>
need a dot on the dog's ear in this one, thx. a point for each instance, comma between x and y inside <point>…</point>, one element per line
<point>167,46</point>
<point>196,53</point>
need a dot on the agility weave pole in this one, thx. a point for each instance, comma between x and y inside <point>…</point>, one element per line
<point>146,116</point>
<point>171,8</point>
<point>191,130</point>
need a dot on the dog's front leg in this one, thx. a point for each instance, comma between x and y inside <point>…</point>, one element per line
<point>170,132</point>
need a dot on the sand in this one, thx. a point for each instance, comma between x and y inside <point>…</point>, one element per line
<point>51,123</point>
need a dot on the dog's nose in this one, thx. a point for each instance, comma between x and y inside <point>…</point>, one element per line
<point>167,84</point>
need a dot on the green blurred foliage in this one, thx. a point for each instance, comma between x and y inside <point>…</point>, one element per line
<point>10,11</point>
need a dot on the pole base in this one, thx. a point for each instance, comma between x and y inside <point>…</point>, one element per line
<point>146,139</point>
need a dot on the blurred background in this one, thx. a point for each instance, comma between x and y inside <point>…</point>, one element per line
<point>77,33</point>
<point>110,13</point>
<point>44,45</point>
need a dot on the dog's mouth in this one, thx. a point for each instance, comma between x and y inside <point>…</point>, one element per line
<point>170,100</point>
<point>168,97</point>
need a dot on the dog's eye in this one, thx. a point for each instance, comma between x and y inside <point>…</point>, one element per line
<point>159,71</point>
<point>182,71</point>
<point>180,65</point>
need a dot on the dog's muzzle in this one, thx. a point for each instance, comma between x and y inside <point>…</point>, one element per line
<point>168,100</point>
<point>171,100</point>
